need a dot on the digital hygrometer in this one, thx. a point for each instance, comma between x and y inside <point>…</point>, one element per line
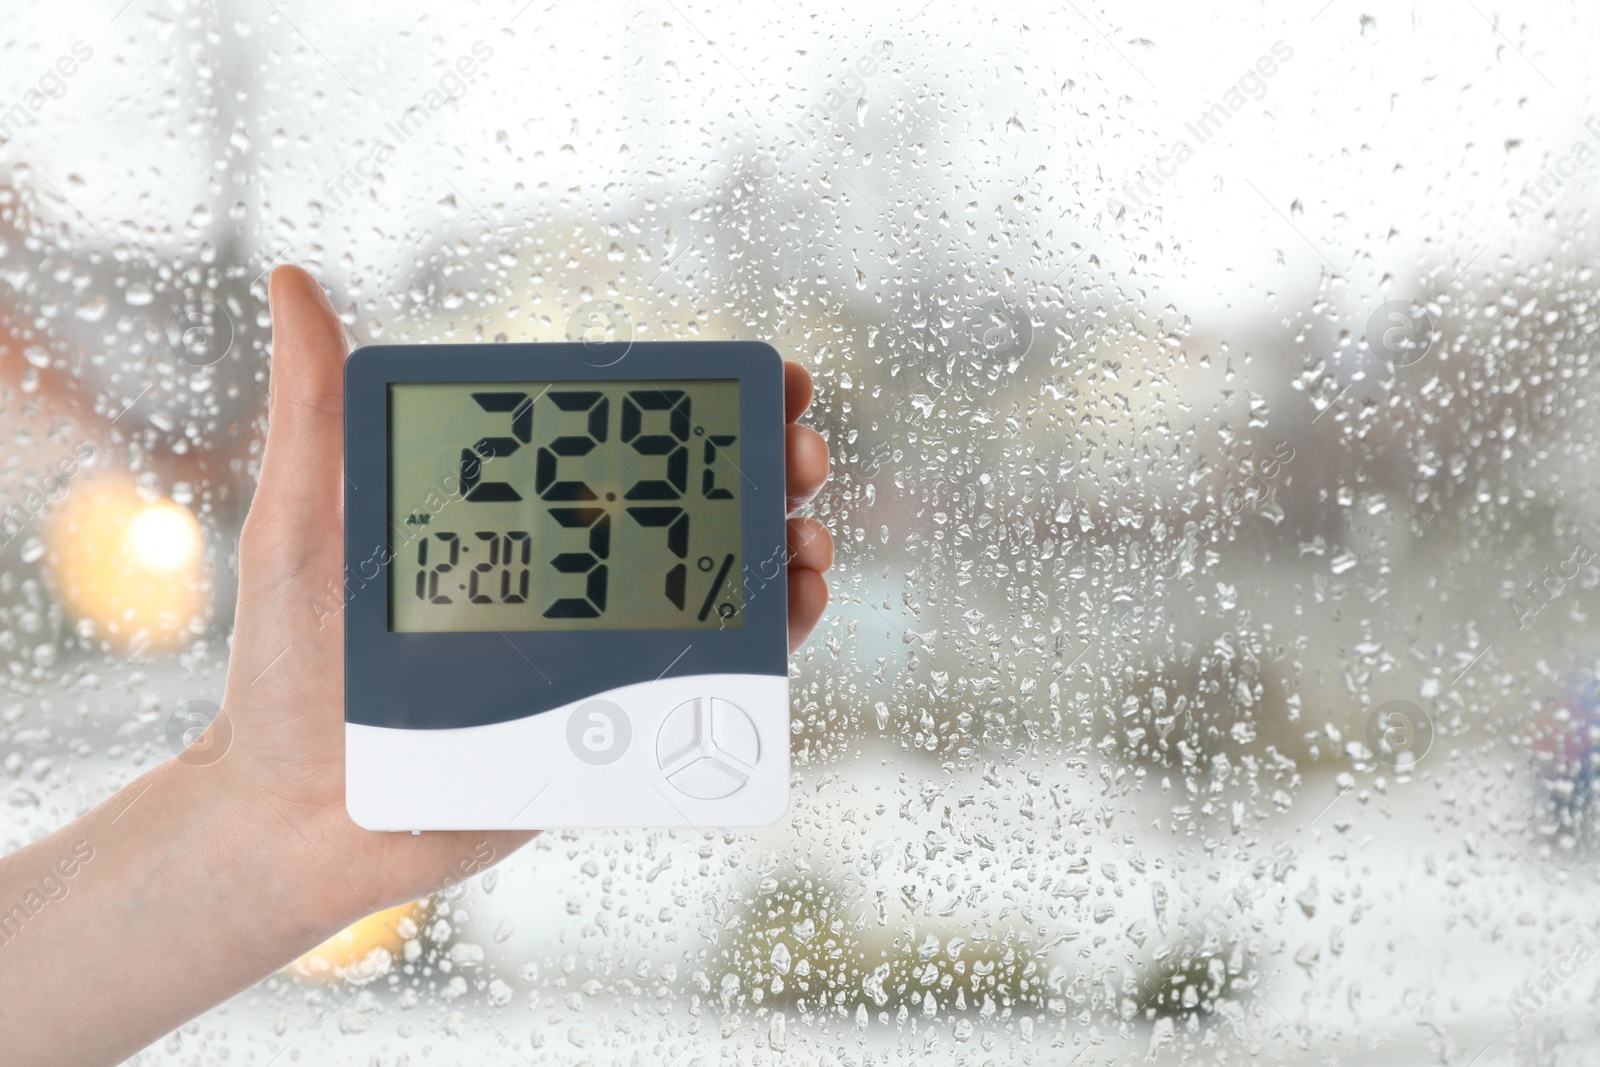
<point>565,586</point>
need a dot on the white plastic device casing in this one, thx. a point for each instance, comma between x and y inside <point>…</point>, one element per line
<point>531,773</point>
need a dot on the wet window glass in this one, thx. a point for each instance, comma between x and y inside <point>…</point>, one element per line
<point>1209,672</point>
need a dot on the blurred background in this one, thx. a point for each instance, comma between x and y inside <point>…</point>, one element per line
<point>1211,672</point>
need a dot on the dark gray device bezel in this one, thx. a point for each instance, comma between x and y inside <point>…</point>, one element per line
<point>440,680</point>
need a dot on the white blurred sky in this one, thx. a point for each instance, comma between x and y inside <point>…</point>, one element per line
<point>1389,127</point>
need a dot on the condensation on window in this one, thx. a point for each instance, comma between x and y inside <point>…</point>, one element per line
<point>1210,672</point>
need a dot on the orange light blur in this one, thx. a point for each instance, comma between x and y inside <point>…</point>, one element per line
<point>389,930</point>
<point>133,566</point>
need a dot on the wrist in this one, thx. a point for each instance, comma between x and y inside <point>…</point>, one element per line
<point>270,859</point>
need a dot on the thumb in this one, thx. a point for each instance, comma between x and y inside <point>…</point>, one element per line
<point>300,498</point>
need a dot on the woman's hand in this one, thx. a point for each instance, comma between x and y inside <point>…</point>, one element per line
<point>285,692</point>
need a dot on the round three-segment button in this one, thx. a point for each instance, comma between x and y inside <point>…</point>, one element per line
<point>708,748</point>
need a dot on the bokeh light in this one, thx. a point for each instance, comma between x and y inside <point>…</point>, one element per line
<point>388,930</point>
<point>131,566</point>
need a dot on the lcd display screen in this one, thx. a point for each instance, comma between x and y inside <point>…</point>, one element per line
<point>591,505</point>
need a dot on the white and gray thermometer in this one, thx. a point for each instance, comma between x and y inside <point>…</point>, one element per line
<point>565,586</point>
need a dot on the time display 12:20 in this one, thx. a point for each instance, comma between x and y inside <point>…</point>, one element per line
<point>578,505</point>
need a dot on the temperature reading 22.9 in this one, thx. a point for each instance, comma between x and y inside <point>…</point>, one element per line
<point>571,505</point>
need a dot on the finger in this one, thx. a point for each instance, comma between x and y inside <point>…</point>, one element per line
<point>302,472</point>
<point>805,464</point>
<point>810,545</point>
<point>808,597</point>
<point>797,390</point>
